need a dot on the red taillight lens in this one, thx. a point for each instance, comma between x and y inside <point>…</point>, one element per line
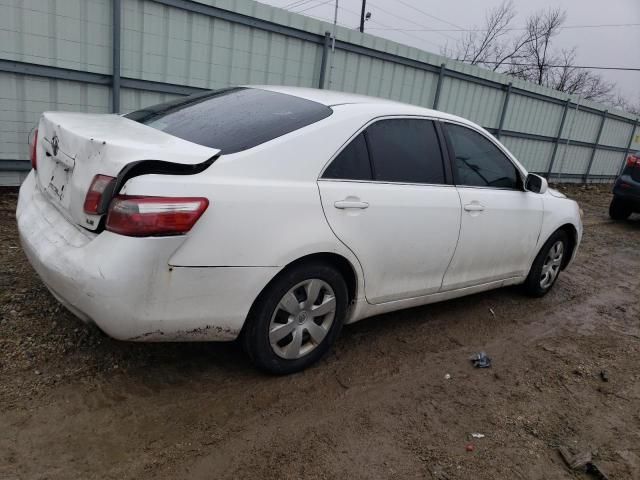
<point>99,194</point>
<point>633,161</point>
<point>151,216</point>
<point>33,143</point>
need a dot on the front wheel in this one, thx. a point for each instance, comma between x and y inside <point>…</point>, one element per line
<point>296,319</point>
<point>547,265</point>
<point>619,209</point>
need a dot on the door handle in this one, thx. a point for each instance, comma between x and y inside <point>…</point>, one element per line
<point>474,207</point>
<point>350,202</point>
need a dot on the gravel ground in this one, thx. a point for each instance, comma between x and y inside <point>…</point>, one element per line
<point>398,397</point>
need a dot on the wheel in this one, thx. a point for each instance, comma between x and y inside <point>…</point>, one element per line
<point>619,209</point>
<point>296,319</point>
<point>547,265</point>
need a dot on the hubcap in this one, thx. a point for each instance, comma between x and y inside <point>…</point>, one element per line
<point>302,319</point>
<point>552,264</point>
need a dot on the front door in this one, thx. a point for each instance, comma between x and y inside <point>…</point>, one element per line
<point>386,198</point>
<point>500,221</point>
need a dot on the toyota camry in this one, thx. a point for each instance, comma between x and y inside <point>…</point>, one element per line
<point>276,215</point>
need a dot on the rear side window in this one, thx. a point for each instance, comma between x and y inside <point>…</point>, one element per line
<point>233,119</point>
<point>405,150</point>
<point>479,162</point>
<point>352,163</point>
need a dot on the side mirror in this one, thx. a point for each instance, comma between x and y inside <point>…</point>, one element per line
<point>536,184</point>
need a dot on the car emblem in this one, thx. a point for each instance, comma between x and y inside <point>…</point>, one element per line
<point>54,145</point>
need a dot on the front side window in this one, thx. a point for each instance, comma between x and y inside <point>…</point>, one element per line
<point>405,150</point>
<point>478,162</point>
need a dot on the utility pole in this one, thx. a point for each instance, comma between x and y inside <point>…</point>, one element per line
<point>362,14</point>
<point>333,44</point>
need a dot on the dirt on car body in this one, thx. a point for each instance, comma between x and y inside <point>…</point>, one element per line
<point>397,398</point>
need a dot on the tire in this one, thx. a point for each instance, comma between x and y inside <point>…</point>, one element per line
<point>619,209</point>
<point>547,265</point>
<point>285,313</point>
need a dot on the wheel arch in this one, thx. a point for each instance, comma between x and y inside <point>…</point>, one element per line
<point>346,268</point>
<point>572,233</point>
<point>341,263</point>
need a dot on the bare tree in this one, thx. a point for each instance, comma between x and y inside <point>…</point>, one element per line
<point>488,46</point>
<point>529,55</point>
<point>622,103</point>
<point>541,28</point>
<point>565,77</point>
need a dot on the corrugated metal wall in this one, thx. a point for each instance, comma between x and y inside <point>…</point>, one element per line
<point>57,55</point>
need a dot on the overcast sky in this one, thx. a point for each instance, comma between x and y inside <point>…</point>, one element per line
<point>605,46</point>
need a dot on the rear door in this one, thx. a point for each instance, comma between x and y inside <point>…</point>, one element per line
<point>387,197</point>
<point>500,221</point>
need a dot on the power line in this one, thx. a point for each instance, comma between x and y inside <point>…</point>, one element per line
<point>429,15</point>
<point>340,7</point>
<point>632,69</point>
<point>383,25</point>
<point>612,25</point>
<point>344,25</point>
<point>295,4</point>
<point>314,6</point>
<point>407,20</point>
<point>408,34</point>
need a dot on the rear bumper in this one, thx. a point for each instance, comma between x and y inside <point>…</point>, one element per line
<point>628,189</point>
<point>125,286</point>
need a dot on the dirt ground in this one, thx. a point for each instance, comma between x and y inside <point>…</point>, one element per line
<point>76,404</point>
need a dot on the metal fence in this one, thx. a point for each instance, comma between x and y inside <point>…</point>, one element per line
<point>120,55</point>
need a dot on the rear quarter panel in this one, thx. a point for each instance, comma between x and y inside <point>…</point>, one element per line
<point>264,204</point>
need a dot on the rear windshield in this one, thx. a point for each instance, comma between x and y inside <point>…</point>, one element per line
<point>234,119</point>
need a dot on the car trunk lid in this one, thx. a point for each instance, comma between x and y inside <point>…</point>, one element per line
<point>74,147</point>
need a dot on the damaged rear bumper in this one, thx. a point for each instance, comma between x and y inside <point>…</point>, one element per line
<point>125,286</point>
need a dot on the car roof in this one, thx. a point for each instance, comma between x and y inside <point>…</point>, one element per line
<point>332,98</point>
<point>325,97</point>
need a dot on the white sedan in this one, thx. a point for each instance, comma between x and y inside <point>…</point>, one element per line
<point>277,215</point>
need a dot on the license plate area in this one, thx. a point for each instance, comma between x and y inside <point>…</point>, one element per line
<point>60,176</point>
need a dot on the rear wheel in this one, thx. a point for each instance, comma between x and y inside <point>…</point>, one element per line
<point>619,209</point>
<point>296,319</point>
<point>547,265</point>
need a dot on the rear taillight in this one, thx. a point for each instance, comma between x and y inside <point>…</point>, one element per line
<point>33,143</point>
<point>99,194</point>
<point>633,161</point>
<point>152,216</point>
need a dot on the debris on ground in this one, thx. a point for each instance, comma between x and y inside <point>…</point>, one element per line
<point>480,360</point>
<point>493,314</point>
<point>604,375</point>
<point>447,376</point>
<point>470,447</point>
<point>582,462</point>
<point>478,435</point>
